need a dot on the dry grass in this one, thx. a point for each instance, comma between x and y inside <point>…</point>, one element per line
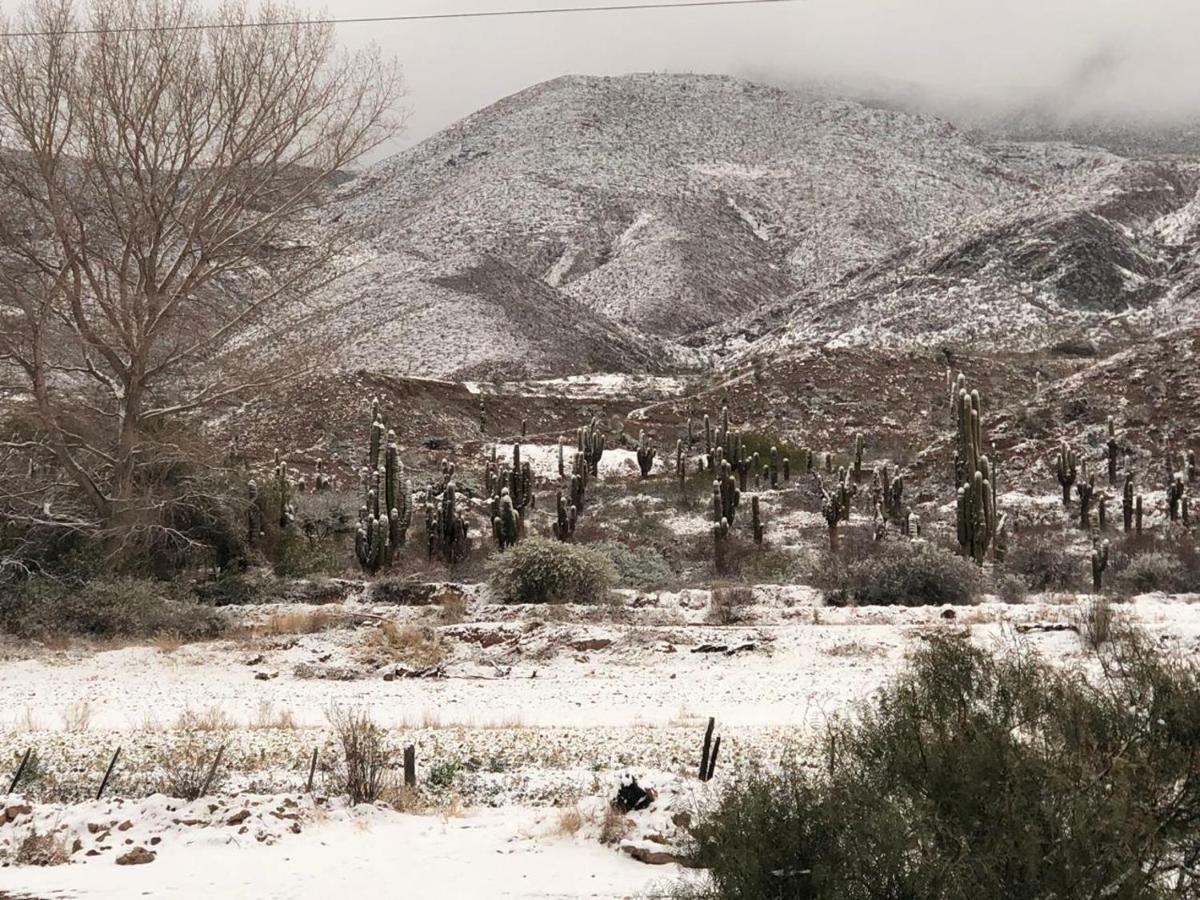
<point>854,648</point>
<point>168,641</point>
<point>309,622</point>
<point>210,719</point>
<point>729,605</point>
<point>614,826</point>
<point>267,717</point>
<point>404,799</point>
<point>77,716</point>
<point>410,644</point>
<point>570,821</point>
<point>42,850</point>
<point>454,609</point>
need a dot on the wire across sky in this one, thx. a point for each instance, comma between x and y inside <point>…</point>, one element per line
<point>410,17</point>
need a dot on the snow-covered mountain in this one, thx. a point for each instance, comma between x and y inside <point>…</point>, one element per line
<point>646,222</point>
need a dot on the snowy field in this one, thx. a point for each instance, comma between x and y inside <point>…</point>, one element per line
<point>537,718</point>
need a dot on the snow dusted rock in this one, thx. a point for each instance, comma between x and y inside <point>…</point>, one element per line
<point>138,856</point>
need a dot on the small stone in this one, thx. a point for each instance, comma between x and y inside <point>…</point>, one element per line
<point>949,614</point>
<point>125,826</point>
<point>138,856</point>
<point>238,817</point>
<point>155,841</point>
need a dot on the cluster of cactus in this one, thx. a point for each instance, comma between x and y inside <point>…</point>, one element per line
<point>645,455</point>
<point>446,526</point>
<point>725,499</point>
<point>386,511</point>
<point>591,445</point>
<point>517,479</point>
<point>980,525</point>
<point>566,519</point>
<point>506,520</point>
<point>776,469</point>
<point>888,494</point>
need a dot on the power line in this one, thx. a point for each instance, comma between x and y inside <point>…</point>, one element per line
<point>412,17</point>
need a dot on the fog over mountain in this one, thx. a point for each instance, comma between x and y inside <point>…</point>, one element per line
<point>1123,61</point>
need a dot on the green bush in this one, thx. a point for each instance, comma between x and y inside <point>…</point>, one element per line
<point>979,777</point>
<point>906,573</point>
<point>542,571</point>
<point>106,607</point>
<point>642,568</point>
<point>1045,565</point>
<point>1148,572</point>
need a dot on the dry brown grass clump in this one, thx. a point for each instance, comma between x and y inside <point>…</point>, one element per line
<point>729,605</point>
<point>614,826</point>
<point>42,850</point>
<point>309,622</point>
<point>570,821</point>
<point>211,719</point>
<point>410,644</point>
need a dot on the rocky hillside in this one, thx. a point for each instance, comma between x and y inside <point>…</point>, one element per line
<point>663,223</point>
<point>593,223</point>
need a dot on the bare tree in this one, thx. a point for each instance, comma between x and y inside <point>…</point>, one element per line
<point>160,166</point>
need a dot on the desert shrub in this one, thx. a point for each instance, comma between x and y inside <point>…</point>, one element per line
<point>542,571</point>
<point>1044,564</point>
<point>189,768</point>
<point>1147,572</point>
<point>106,607</point>
<point>443,774</point>
<point>1096,621</point>
<point>37,849</point>
<point>411,644</point>
<point>906,573</point>
<point>231,589</point>
<point>362,770</point>
<point>728,604</point>
<point>642,568</point>
<point>979,776</point>
<point>1011,588</point>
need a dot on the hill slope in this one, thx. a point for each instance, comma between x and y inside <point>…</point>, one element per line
<point>663,204</point>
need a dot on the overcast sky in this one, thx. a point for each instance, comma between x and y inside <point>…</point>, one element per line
<point>1118,56</point>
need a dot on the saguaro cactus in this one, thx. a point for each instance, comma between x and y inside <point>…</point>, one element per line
<point>564,526</point>
<point>858,458</point>
<point>832,509</point>
<point>1065,469</point>
<point>1175,492</point>
<point>979,522</point>
<point>591,445</point>
<point>283,489</point>
<point>756,525</point>
<point>506,521</point>
<point>645,455</point>
<point>579,481</point>
<point>681,467</point>
<point>726,495</point>
<point>398,498</point>
<point>1086,488</point>
<point>446,526</point>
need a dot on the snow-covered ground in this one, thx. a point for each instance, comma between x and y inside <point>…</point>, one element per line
<point>537,716</point>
